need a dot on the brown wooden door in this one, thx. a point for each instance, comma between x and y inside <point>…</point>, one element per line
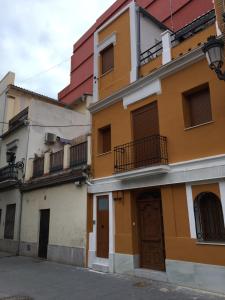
<point>152,254</point>
<point>146,135</point>
<point>103,226</point>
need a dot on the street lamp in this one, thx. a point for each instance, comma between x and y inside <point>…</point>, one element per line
<point>214,49</point>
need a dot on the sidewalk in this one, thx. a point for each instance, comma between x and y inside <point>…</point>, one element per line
<point>44,280</point>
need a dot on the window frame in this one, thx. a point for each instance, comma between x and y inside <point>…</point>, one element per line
<point>188,103</point>
<point>111,67</point>
<point>101,149</point>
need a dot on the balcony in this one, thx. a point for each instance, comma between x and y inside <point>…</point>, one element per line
<point>8,173</point>
<point>150,151</point>
<point>56,161</point>
<point>38,167</point>
<point>78,155</point>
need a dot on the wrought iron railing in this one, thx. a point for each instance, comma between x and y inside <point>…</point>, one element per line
<point>149,151</point>
<point>8,172</point>
<point>19,118</point>
<point>56,161</point>
<point>38,167</point>
<point>151,53</point>
<point>197,25</point>
<point>78,154</point>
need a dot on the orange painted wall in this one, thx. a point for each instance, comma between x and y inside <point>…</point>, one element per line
<point>124,224</point>
<point>183,144</point>
<point>120,76</point>
<point>179,245</point>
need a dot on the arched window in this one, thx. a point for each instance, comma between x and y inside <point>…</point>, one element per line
<point>209,218</point>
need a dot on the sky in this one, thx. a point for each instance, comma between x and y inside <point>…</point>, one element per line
<point>37,37</point>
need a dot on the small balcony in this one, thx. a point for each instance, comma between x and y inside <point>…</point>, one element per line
<point>56,161</point>
<point>38,167</point>
<point>8,173</point>
<point>78,155</point>
<point>150,151</point>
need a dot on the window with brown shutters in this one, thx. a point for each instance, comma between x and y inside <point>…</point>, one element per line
<point>209,218</point>
<point>104,139</point>
<point>197,107</point>
<point>107,59</point>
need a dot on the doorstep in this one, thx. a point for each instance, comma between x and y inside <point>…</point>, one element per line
<point>151,274</point>
<point>101,265</point>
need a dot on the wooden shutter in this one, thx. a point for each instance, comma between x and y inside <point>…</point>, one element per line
<point>106,139</point>
<point>199,107</point>
<point>107,56</point>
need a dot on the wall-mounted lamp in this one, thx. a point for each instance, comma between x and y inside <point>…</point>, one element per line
<point>214,52</point>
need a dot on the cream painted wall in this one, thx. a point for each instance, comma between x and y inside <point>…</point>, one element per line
<point>10,197</point>
<point>67,214</point>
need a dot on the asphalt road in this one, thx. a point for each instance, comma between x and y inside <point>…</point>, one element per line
<point>23,278</point>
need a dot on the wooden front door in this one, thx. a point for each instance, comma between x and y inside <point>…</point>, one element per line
<point>103,226</point>
<point>152,253</point>
<point>145,135</point>
<point>43,233</point>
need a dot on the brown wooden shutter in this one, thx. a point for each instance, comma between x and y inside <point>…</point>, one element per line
<point>199,107</point>
<point>106,139</point>
<point>107,59</point>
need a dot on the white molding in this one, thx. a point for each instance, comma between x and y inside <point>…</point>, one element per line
<point>111,39</point>
<point>93,259</point>
<point>155,170</point>
<point>166,45</point>
<point>191,215</point>
<point>198,170</point>
<point>133,42</point>
<point>151,88</point>
<point>222,197</point>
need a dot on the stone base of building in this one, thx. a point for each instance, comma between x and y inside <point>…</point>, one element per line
<point>29,249</point>
<point>67,255</point>
<point>195,275</point>
<point>10,246</point>
<point>62,254</point>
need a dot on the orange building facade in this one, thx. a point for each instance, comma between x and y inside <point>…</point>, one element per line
<point>157,198</point>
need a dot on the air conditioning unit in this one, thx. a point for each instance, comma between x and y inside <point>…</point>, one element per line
<point>50,138</point>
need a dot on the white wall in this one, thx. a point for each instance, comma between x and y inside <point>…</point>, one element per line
<point>149,32</point>
<point>67,215</point>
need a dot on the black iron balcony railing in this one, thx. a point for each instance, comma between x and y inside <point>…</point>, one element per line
<point>149,151</point>
<point>8,172</point>
<point>151,53</point>
<point>56,161</point>
<point>78,155</point>
<point>194,27</point>
<point>38,167</point>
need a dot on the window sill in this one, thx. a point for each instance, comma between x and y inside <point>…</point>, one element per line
<point>103,154</point>
<point>196,126</point>
<point>211,243</point>
<point>106,73</point>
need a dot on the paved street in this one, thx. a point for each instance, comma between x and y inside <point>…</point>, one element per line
<point>37,279</point>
